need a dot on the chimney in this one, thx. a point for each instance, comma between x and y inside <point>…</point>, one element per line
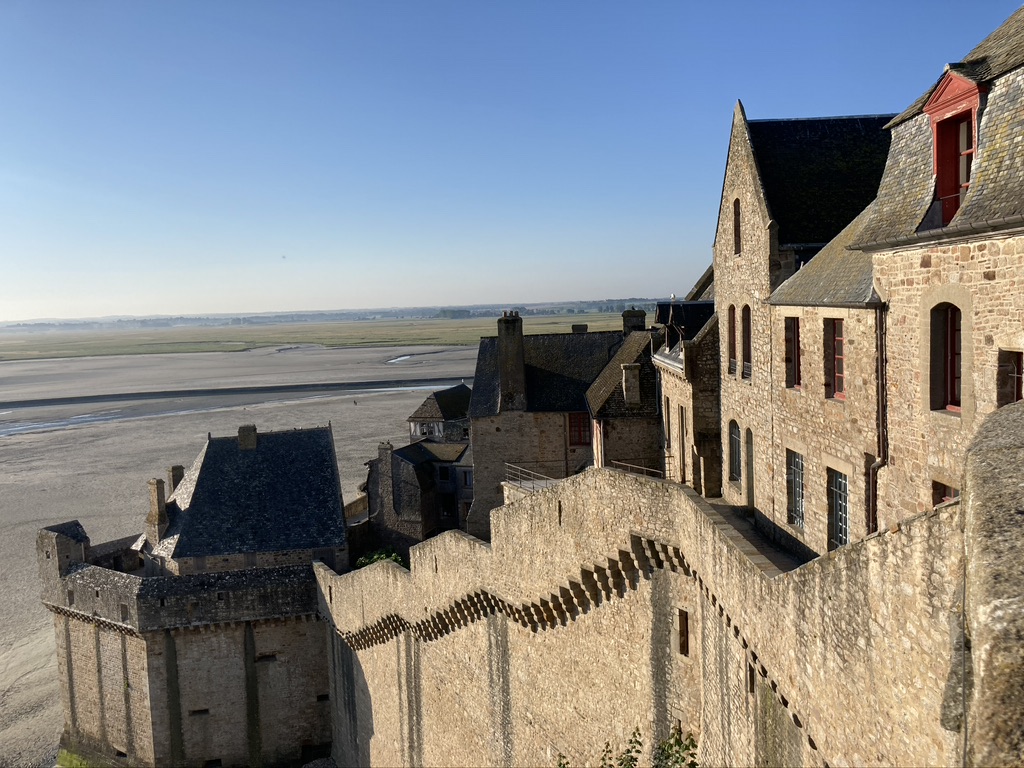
<point>174,477</point>
<point>579,327</point>
<point>156,520</point>
<point>633,319</point>
<point>631,384</point>
<point>511,363</point>
<point>247,437</point>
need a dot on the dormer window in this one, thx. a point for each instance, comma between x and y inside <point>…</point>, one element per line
<point>953,109</point>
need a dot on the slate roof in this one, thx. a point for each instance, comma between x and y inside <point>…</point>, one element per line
<point>428,451</point>
<point>445,405</point>
<point>836,277</point>
<point>999,53</point>
<point>605,398</point>
<point>559,368</point>
<point>704,288</point>
<point>72,529</point>
<point>686,316</point>
<point>818,173</point>
<point>994,199</point>
<point>282,495</point>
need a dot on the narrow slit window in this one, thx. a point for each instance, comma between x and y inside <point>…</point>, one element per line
<point>684,633</point>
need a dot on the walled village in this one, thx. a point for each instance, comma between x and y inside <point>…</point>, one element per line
<point>783,514</point>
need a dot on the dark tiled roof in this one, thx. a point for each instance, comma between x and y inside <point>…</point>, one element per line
<point>994,199</point>
<point>818,173</point>
<point>835,277</point>
<point>427,450</point>
<point>445,405</point>
<point>559,369</point>
<point>284,494</point>
<point>72,529</point>
<point>704,288</point>
<point>685,316</point>
<point>999,53</point>
<point>605,397</point>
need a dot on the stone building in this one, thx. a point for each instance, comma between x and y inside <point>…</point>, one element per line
<point>529,406</point>
<point>623,406</point>
<point>688,372</point>
<point>418,490</point>
<point>945,240</point>
<point>855,595</point>
<point>198,643</point>
<point>443,416</point>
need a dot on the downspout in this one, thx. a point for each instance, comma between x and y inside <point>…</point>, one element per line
<point>882,416</point>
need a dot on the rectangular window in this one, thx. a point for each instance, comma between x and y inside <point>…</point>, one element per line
<point>467,479</point>
<point>838,509</point>
<point>124,612</point>
<point>954,157</point>
<point>941,493</point>
<point>734,451</point>
<point>835,359</point>
<point>1009,378</point>
<point>945,354</point>
<point>667,410</point>
<point>684,633</point>
<point>793,352</point>
<point>794,489</point>
<point>579,429</point>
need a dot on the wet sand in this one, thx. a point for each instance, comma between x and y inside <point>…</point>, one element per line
<point>59,466</point>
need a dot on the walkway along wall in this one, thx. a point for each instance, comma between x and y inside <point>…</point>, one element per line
<point>614,601</point>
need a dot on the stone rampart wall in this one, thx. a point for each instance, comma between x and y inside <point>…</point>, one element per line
<point>564,632</point>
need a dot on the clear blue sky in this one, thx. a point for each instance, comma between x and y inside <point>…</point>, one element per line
<point>242,156</point>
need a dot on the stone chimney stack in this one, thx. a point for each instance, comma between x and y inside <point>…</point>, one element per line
<point>511,363</point>
<point>633,319</point>
<point>156,520</point>
<point>247,437</point>
<point>174,477</point>
<point>631,384</point>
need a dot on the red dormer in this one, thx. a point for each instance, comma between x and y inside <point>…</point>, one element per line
<point>953,109</point>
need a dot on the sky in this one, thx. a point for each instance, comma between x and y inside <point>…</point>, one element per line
<point>237,156</point>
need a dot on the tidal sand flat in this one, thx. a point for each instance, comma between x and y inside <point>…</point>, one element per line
<point>90,460</point>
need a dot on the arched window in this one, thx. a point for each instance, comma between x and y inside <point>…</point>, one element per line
<point>945,357</point>
<point>735,451</point>
<point>746,343</point>
<point>737,236</point>
<point>732,339</point>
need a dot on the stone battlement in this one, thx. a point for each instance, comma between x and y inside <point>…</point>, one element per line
<point>559,554</point>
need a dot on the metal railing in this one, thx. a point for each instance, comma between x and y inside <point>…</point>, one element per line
<point>527,479</point>
<point>636,469</point>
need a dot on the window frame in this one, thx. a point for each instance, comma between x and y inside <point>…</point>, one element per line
<point>748,351</point>
<point>838,492</point>
<point>732,340</point>
<point>952,108</point>
<point>1009,377</point>
<point>946,353</point>
<point>735,452</point>
<point>795,489</point>
<point>834,332</point>
<point>579,428</point>
<point>792,353</point>
<point>737,232</point>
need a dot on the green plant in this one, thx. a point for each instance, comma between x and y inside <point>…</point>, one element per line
<point>676,751</point>
<point>381,554</point>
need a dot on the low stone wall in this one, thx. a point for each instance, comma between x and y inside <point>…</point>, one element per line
<point>564,632</point>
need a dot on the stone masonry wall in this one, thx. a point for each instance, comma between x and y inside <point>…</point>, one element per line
<point>538,442</point>
<point>827,432</point>
<point>613,558</point>
<point>984,278</point>
<point>689,386</point>
<point>746,279</point>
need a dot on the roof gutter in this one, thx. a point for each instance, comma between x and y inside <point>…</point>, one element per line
<point>963,230</point>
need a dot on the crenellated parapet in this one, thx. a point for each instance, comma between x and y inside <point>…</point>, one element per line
<point>806,642</point>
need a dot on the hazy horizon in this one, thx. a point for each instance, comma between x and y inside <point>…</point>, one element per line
<point>254,157</point>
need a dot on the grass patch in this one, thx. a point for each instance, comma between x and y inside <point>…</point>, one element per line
<point>39,345</point>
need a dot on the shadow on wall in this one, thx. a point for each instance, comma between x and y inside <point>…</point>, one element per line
<point>353,710</point>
